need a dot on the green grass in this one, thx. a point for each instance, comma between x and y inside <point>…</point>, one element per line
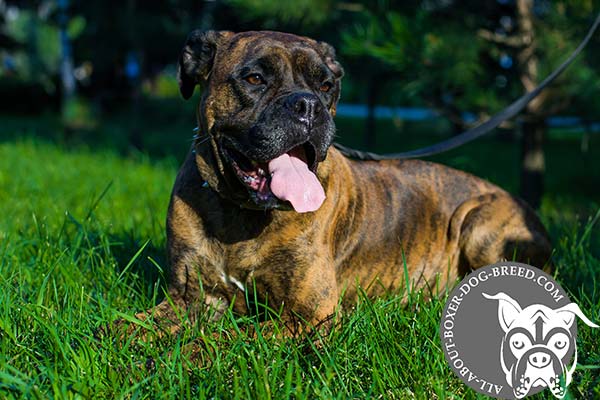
<point>82,244</point>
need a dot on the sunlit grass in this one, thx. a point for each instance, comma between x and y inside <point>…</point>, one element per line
<point>82,244</point>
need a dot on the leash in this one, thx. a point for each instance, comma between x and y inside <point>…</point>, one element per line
<point>480,130</point>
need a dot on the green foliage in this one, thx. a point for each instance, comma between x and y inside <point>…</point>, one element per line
<point>439,52</point>
<point>424,53</point>
<point>40,56</point>
<point>164,86</point>
<point>374,39</point>
<point>76,26</point>
<point>78,113</point>
<point>274,13</point>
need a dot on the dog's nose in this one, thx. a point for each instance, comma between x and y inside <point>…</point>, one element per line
<point>539,359</point>
<point>304,106</point>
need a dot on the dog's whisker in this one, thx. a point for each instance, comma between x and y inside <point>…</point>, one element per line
<point>197,134</point>
<point>203,140</point>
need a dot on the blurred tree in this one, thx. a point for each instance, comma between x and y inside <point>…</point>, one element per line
<point>476,56</point>
<point>473,55</point>
<point>275,14</point>
<point>37,62</point>
<point>102,35</point>
<point>34,46</point>
<point>67,76</point>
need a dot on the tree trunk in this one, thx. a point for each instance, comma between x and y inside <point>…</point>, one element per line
<point>532,161</point>
<point>533,129</point>
<point>67,77</point>
<point>66,62</point>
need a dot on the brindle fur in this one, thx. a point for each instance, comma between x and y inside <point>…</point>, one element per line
<point>378,215</point>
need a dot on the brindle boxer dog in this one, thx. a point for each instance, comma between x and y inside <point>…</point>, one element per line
<point>265,208</point>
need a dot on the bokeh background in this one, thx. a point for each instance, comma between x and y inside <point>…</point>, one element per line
<point>103,73</point>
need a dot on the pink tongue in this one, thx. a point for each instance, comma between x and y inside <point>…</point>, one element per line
<point>291,180</point>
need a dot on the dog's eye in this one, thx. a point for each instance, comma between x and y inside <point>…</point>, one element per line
<point>254,79</point>
<point>519,341</point>
<point>559,341</point>
<point>326,87</point>
<point>560,344</point>
<point>517,344</point>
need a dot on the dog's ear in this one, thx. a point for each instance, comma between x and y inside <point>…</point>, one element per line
<point>568,313</point>
<point>508,309</point>
<point>196,59</point>
<point>328,53</point>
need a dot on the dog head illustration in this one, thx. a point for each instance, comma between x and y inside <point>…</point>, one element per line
<point>537,344</point>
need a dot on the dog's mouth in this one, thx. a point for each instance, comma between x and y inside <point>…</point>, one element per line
<point>287,179</point>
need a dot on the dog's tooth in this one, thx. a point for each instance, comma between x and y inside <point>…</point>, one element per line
<point>261,171</point>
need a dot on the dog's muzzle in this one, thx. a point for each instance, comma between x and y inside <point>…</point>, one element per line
<point>276,159</point>
<point>539,366</point>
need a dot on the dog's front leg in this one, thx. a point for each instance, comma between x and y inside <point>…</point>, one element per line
<point>195,267</point>
<point>301,289</point>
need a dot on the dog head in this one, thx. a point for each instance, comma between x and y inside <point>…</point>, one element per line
<point>537,344</point>
<point>267,108</point>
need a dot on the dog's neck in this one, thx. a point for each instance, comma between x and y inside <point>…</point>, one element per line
<point>211,167</point>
